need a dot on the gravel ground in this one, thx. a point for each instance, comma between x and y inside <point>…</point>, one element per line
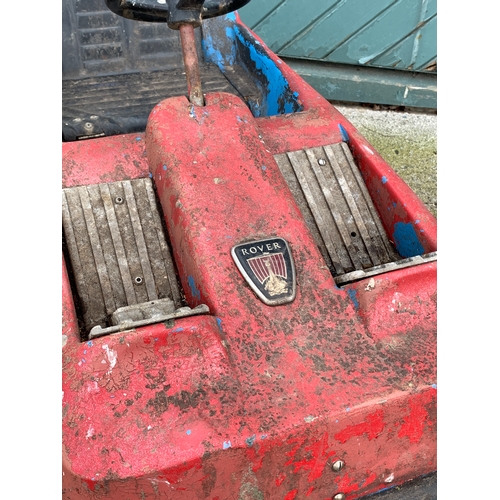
<point>406,140</point>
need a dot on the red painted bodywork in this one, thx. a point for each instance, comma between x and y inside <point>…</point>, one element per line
<point>251,401</point>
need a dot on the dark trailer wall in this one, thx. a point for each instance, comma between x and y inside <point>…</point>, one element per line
<point>371,51</point>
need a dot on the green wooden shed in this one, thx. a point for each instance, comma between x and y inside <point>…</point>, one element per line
<point>371,51</point>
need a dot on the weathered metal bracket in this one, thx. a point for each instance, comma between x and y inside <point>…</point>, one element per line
<point>127,325</point>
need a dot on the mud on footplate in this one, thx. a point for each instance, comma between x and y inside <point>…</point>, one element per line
<point>340,213</point>
<point>117,250</point>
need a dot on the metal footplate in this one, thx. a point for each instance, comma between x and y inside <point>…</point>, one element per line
<point>340,213</point>
<point>123,272</point>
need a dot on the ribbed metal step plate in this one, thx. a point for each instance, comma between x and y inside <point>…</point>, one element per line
<point>337,207</point>
<point>117,248</point>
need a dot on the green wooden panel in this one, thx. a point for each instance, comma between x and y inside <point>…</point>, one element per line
<point>396,34</point>
<point>371,51</point>
<point>381,35</point>
<point>255,14</point>
<point>335,28</point>
<point>289,19</point>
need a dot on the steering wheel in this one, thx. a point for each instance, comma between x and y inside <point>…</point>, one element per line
<point>173,12</point>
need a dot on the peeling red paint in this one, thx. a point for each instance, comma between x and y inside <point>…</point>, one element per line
<point>346,484</point>
<point>320,455</point>
<point>280,479</point>
<point>175,474</point>
<point>291,495</point>
<point>415,422</point>
<point>372,427</point>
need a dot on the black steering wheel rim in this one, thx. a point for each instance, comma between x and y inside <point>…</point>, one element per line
<point>173,12</point>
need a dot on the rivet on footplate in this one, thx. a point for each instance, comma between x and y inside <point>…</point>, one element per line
<point>267,266</point>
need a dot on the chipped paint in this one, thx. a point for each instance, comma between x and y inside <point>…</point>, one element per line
<point>194,291</point>
<point>112,357</point>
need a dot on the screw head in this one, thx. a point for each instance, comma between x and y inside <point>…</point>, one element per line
<point>322,162</point>
<point>338,465</point>
<point>339,496</point>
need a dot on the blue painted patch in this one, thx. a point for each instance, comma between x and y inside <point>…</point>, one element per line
<point>219,324</point>
<point>164,167</point>
<point>188,432</point>
<point>263,436</point>
<point>89,343</point>
<point>406,240</point>
<point>277,95</point>
<point>194,291</point>
<point>250,441</point>
<point>264,167</point>
<point>138,138</point>
<point>177,330</point>
<point>352,295</point>
<point>150,175</point>
<point>226,445</point>
<point>384,179</point>
<point>434,386</point>
<point>343,132</point>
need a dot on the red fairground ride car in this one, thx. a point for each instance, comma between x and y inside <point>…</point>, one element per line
<point>249,290</point>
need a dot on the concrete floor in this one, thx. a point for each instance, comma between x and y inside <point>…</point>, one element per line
<point>407,140</point>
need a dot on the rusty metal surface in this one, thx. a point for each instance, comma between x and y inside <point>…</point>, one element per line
<point>332,196</point>
<point>191,65</point>
<point>117,248</point>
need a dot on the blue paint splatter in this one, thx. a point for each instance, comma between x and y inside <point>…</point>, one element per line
<point>89,343</point>
<point>343,132</point>
<point>277,95</point>
<point>138,138</point>
<point>406,240</point>
<point>188,432</point>
<point>352,295</point>
<point>194,291</point>
<point>226,445</point>
<point>417,221</point>
<point>384,179</point>
<point>347,409</point>
<point>264,167</point>
<point>250,441</point>
<point>219,324</point>
<point>164,167</point>
<point>177,330</point>
<point>150,175</point>
<point>85,351</point>
<point>434,386</point>
<point>263,436</point>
